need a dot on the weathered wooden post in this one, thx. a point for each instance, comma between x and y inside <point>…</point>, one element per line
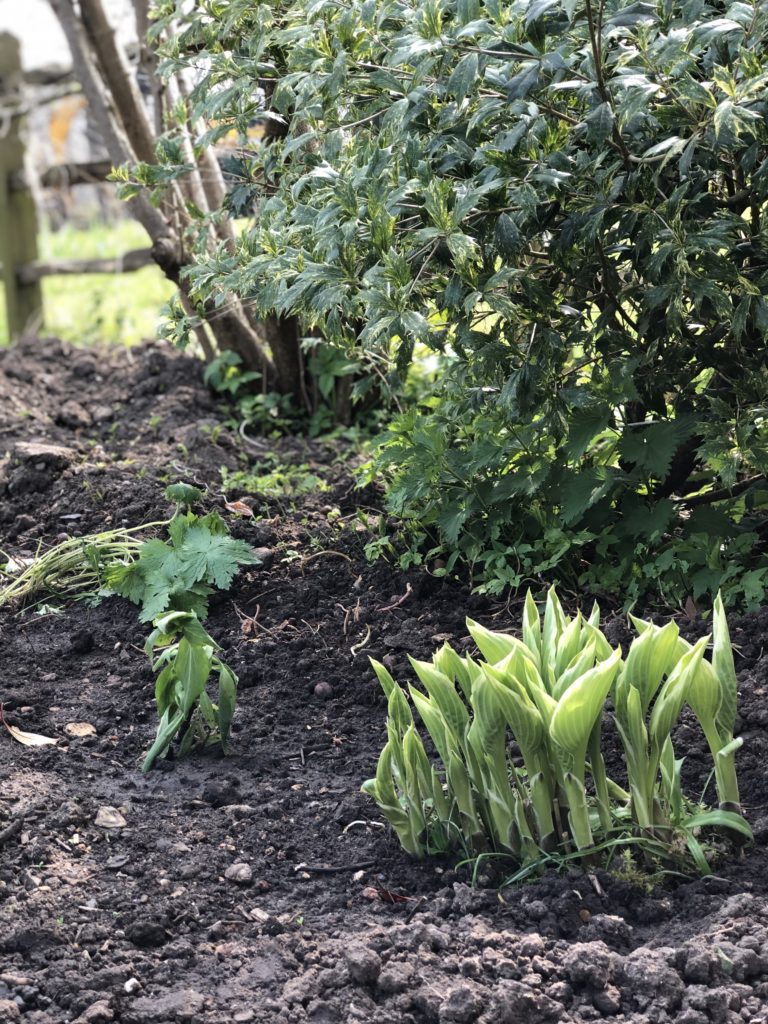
<point>18,218</point>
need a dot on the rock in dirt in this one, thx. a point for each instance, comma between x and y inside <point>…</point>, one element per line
<point>82,641</point>
<point>462,1005</point>
<point>221,793</point>
<point>9,1011</point>
<point>266,557</point>
<point>73,415</point>
<point>653,984</point>
<point>395,978</point>
<point>181,1004</point>
<point>607,1001</point>
<point>240,874</point>
<point>515,1003</point>
<point>97,1013</point>
<point>364,965</point>
<point>55,456</point>
<point>102,413</point>
<point>589,963</point>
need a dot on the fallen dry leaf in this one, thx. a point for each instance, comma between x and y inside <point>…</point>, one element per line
<point>79,729</point>
<point>239,508</point>
<point>29,739</point>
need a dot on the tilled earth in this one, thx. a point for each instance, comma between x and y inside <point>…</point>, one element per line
<point>263,887</point>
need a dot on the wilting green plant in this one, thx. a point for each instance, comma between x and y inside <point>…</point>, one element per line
<point>172,582</point>
<point>73,569</point>
<point>549,689</point>
<point>184,656</point>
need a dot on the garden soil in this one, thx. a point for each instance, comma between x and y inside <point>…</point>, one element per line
<point>263,886</point>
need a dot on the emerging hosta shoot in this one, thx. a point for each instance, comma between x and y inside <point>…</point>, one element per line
<point>547,693</point>
<point>184,655</point>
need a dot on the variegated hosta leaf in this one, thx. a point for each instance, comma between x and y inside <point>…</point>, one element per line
<point>652,655</point>
<point>519,711</point>
<point>555,623</point>
<point>578,708</point>
<point>673,693</point>
<point>517,669</point>
<point>581,663</point>
<point>443,692</point>
<point>641,625</point>
<point>532,629</point>
<point>419,775</point>
<point>722,662</point>
<point>704,693</point>
<point>433,719</point>
<point>383,791</point>
<point>384,676</point>
<point>455,668</point>
<point>494,647</point>
<point>568,646</point>
<point>398,710</point>
<point>603,649</point>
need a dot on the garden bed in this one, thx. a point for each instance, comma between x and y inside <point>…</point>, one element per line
<point>263,887</point>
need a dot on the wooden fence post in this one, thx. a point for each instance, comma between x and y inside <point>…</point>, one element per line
<point>18,218</point>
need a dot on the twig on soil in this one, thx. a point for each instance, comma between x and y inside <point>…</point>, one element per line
<point>354,612</point>
<point>337,869</point>
<point>11,830</point>
<point>415,909</point>
<point>400,600</point>
<point>320,554</point>
<point>374,824</point>
<point>356,648</point>
<point>596,884</point>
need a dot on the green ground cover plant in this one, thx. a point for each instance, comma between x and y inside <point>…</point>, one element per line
<point>547,693</point>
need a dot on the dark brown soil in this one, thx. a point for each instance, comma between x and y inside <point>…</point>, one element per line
<point>256,887</point>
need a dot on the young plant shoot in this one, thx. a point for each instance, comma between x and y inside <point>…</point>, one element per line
<point>184,656</point>
<point>548,692</point>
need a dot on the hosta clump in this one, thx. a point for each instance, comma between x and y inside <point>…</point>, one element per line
<point>547,693</point>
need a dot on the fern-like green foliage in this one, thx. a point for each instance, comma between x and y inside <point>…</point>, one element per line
<point>181,574</point>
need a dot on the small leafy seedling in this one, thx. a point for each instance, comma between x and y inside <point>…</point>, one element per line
<point>184,655</point>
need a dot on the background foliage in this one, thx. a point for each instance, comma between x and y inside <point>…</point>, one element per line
<point>566,202</point>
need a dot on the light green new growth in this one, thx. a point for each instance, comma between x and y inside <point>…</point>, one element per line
<point>548,692</point>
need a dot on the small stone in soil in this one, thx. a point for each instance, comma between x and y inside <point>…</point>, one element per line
<point>240,874</point>
<point>364,965</point>
<point>97,1013</point>
<point>323,691</point>
<point>82,641</point>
